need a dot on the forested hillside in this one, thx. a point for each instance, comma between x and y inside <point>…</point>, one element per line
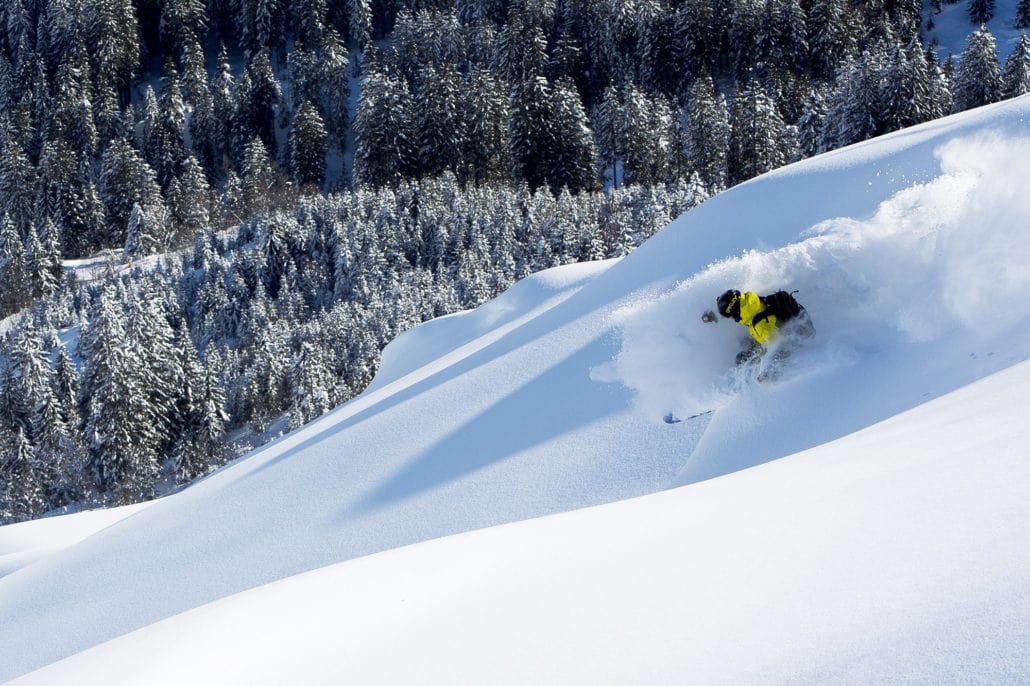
<point>283,187</point>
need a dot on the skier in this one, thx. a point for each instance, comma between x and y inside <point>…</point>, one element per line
<point>765,318</point>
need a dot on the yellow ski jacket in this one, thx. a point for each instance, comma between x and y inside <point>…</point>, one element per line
<point>751,306</point>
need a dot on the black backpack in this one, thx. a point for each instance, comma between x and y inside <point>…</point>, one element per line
<point>781,305</point>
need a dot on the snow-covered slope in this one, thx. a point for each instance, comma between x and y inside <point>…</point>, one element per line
<point>858,557</point>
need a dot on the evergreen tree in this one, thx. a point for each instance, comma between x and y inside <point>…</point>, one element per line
<point>189,203</point>
<point>42,264</point>
<point>529,131</point>
<point>17,186</point>
<point>486,114</point>
<point>706,135</point>
<point>113,35</point>
<point>257,182</point>
<point>127,180</point>
<point>783,36</point>
<point>1022,20</point>
<point>72,114</point>
<point>309,394</point>
<point>106,390</point>
<point>383,131</point>
<point>308,138</point>
<point>169,147</point>
<point>359,15</point>
<point>854,107</point>
<point>810,125</point>
<point>941,99</point>
<point>143,235</point>
<point>440,134</point>
<point>199,423</point>
<point>182,22</point>
<point>335,92</point>
<point>13,281</point>
<point>23,496</point>
<point>665,50</point>
<point>222,87</point>
<point>1015,77</point>
<point>260,24</point>
<point>573,162</point>
<point>254,105</point>
<point>978,78</point>
<point>106,115</point>
<point>832,36</point>
<point>610,131</point>
<point>980,11</point>
<point>56,455</point>
<point>153,376</point>
<point>760,140</point>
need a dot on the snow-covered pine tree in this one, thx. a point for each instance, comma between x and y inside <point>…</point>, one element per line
<point>257,181</point>
<point>42,265</point>
<point>485,109</point>
<point>1022,20</point>
<point>21,492</point>
<point>610,131</point>
<point>309,396</point>
<point>106,390</point>
<point>198,419</point>
<point>126,180</point>
<point>980,11</point>
<point>760,140</point>
<point>440,131</point>
<point>255,101</point>
<point>978,77</point>
<point>383,131</point>
<point>143,234</point>
<point>222,87</point>
<point>17,186</point>
<point>169,145</point>
<point>705,136</point>
<point>833,36</point>
<point>189,203</point>
<point>810,124</point>
<point>1015,76</point>
<point>13,281</point>
<point>359,21</point>
<point>182,22</point>
<point>335,81</point>
<point>72,111</point>
<point>650,135</point>
<point>113,37</point>
<point>573,158</point>
<point>308,144</point>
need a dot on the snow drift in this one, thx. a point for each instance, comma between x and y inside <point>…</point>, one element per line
<point>854,558</point>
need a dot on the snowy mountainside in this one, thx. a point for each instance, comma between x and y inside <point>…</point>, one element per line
<point>908,251</point>
<point>887,556</point>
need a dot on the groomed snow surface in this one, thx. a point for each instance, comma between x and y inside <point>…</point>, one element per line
<point>506,505</point>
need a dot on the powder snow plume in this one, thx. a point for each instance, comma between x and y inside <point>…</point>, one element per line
<point>936,260</point>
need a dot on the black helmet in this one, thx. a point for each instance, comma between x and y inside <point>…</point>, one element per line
<point>729,304</point>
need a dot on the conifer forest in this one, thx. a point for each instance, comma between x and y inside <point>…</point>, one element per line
<point>214,215</point>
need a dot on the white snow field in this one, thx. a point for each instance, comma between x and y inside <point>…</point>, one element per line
<point>506,505</point>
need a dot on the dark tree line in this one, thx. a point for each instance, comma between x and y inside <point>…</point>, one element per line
<point>182,108</point>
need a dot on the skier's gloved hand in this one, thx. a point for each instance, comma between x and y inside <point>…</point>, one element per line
<point>709,317</point>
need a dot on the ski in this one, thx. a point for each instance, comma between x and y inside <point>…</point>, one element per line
<point>670,418</point>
